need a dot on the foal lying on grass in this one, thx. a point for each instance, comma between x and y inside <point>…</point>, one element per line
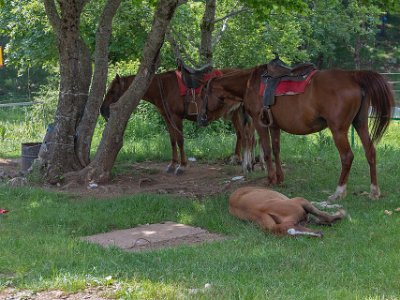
<point>278,214</point>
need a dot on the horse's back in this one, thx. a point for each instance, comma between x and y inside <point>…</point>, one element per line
<point>253,198</point>
<point>251,203</point>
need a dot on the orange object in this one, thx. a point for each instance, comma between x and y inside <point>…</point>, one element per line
<point>1,57</point>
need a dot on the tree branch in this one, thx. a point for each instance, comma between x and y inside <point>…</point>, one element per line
<point>231,14</point>
<point>53,16</point>
<point>97,89</point>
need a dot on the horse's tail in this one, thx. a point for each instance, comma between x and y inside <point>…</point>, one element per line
<point>381,98</point>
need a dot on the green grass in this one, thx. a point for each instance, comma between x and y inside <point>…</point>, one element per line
<point>357,259</point>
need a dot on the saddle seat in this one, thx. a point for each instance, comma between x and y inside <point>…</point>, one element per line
<point>284,72</point>
<point>191,77</point>
<point>278,71</point>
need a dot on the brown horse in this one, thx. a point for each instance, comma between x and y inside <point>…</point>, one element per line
<point>334,98</point>
<point>164,93</point>
<point>276,213</point>
<point>222,92</point>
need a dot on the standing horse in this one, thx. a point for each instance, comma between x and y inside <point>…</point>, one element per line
<point>164,93</point>
<point>230,89</point>
<point>333,99</point>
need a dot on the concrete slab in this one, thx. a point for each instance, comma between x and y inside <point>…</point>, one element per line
<point>153,236</point>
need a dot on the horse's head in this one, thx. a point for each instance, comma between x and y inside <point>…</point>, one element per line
<point>220,94</point>
<point>114,92</point>
<point>202,103</point>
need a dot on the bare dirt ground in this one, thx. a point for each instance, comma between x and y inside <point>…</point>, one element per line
<point>96,293</point>
<point>199,180</point>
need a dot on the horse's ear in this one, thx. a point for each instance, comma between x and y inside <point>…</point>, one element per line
<point>117,77</point>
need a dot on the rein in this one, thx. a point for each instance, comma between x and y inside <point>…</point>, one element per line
<point>204,108</point>
<point>166,108</point>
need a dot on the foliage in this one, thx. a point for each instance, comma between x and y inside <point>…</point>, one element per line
<point>298,30</point>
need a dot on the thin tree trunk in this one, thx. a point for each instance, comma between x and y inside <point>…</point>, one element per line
<point>207,28</point>
<point>88,122</point>
<point>357,53</point>
<point>99,169</point>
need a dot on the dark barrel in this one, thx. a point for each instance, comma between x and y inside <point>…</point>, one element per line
<point>29,152</point>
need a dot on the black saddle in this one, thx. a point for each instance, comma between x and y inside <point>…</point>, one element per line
<point>193,78</point>
<point>277,70</point>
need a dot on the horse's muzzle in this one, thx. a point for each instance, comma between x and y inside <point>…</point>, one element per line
<point>202,120</point>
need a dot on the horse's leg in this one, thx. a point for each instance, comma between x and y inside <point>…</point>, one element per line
<point>264,135</point>
<point>276,148</point>
<point>346,157</point>
<point>173,140</point>
<point>370,154</point>
<point>178,131</point>
<point>268,224</point>
<point>236,122</point>
<point>248,143</point>
<point>323,218</point>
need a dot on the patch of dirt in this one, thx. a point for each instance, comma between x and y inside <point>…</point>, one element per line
<point>96,293</point>
<point>197,181</point>
<point>9,168</point>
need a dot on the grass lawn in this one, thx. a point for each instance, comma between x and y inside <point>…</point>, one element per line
<point>358,258</point>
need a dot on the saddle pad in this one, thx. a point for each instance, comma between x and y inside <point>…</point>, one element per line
<point>289,87</point>
<point>183,89</point>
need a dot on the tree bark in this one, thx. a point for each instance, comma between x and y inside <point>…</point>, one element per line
<point>58,155</point>
<point>87,124</point>
<point>207,28</point>
<point>99,170</point>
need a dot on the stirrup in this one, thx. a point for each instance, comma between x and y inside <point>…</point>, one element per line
<point>193,110</point>
<point>269,114</point>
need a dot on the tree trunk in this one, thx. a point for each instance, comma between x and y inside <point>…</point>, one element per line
<point>99,169</point>
<point>58,157</point>
<point>97,90</point>
<point>357,53</point>
<point>207,28</point>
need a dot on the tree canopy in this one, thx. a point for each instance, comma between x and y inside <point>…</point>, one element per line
<point>246,32</point>
<point>80,40</point>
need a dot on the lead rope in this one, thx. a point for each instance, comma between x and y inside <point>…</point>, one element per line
<point>166,108</point>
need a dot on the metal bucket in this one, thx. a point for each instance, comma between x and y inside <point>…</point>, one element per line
<point>29,152</point>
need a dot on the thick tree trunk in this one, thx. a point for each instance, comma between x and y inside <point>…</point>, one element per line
<point>99,169</point>
<point>88,122</point>
<point>58,157</point>
<point>207,28</point>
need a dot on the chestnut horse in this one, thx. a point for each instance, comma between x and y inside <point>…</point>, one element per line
<point>164,93</point>
<point>333,99</point>
<point>276,213</point>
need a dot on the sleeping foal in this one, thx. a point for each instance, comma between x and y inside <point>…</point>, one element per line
<point>276,213</point>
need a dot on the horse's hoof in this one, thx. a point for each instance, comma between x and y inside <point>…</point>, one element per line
<point>246,168</point>
<point>170,169</point>
<point>271,180</point>
<point>375,192</point>
<point>179,170</point>
<point>340,193</point>
<point>279,178</point>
